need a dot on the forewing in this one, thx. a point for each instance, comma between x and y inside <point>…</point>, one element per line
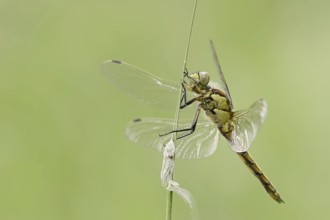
<point>247,124</point>
<point>140,84</point>
<point>223,83</point>
<point>202,143</point>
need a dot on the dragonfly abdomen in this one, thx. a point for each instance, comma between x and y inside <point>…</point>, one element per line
<point>247,159</point>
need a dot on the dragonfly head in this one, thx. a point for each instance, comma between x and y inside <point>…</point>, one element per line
<point>197,81</point>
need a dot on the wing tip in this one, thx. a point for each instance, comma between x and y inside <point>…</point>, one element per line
<point>264,107</point>
<point>116,61</point>
<point>113,61</point>
<point>263,101</point>
<point>137,120</point>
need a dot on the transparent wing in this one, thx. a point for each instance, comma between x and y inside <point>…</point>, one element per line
<point>247,124</point>
<point>140,84</point>
<point>223,84</point>
<point>202,143</point>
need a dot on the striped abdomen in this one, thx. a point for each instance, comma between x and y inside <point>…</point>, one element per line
<point>247,159</point>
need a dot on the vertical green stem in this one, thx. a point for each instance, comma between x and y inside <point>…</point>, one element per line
<point>177,112</point>
<point>169,205</point>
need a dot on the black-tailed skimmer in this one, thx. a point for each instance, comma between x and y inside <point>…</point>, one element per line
<point>199,137</point>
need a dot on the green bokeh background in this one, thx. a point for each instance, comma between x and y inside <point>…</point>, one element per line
<point>63,153</point>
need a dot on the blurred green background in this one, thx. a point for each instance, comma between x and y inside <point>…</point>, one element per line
<point>63,152</point>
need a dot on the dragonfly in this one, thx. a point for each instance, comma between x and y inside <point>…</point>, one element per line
<point>197,138</point>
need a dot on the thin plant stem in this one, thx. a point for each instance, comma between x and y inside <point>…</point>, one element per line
<point>169,205</point>
<point>177,112</point>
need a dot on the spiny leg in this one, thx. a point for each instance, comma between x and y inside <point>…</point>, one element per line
<point>189,130</point>
<point>183,101</point>
<point>185,72</point>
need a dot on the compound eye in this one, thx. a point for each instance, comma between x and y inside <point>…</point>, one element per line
<point>204,78</point>
<point>195,78</point>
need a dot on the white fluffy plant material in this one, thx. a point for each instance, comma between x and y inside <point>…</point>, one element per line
<point>166,175</point>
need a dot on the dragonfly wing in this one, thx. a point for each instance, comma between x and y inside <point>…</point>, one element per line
<point>145,132</point>
<point>202,143</point>
<point>223,83</point>
<point>140,84</point>
<point>246,125</point>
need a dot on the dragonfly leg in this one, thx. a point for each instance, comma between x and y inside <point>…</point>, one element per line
<point>183,101</point>
<point>185,72</point>
<point>189,130</point>
<point>193,124</point>
<point>186,103</point>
